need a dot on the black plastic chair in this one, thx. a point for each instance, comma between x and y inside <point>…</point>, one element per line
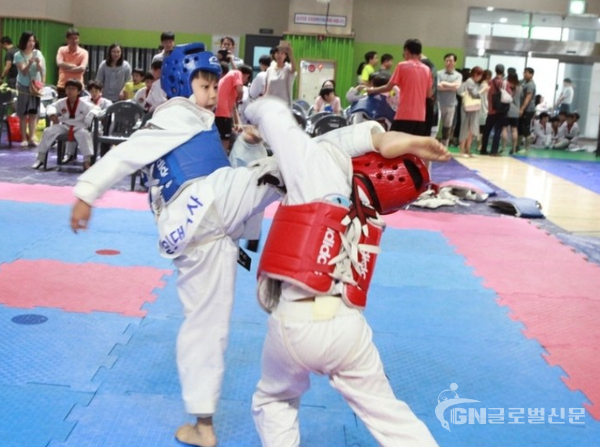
<point>300,118</point>
<point>115,125</point>
<point>138,173</point>
<point>328,123</point>
<point>312,120</point>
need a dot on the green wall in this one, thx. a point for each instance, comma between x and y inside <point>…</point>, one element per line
<point>135,38</point>
<point>436,55</point>
<point>50,34</point>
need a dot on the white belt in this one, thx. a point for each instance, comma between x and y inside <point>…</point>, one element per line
<point>320,308</point>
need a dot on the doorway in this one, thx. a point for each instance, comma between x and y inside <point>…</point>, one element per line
<point>258,45</point>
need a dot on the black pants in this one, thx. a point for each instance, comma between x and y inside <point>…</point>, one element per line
<point>495,122</point>
<point>411,127</point>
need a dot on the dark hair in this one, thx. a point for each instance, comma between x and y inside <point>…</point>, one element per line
<point>139,71</point>
<point>475,71</point>
<point>332,81</point>
<point>74,83</point>
<point>167,35</point>
<point>223,39</point>
<point>413,46</point>
<point>148,76</point>
<point>529,70</point>
<point>208,75</point>
<point>554,119</point>
<point>224,68</point>
<point>511,70</point>
<point>156,65</point>
<point>265,60</point>
<point>386,57</point>
<point>359,70</point>
<point>72,32</point>
<point>513,79</point>
<point>370,55</point>
<point>538,99</point>
<point>447,55</point>
<point>567,80</point>
<point>94,84</point>
<point>108,59</point>
<point>245,69</point>
<point>25,36</point>
<point>6,39</point>
<point>544,115</point>
<point>325,91</point>
<point>576,116</point>
<point>487,75</point>
<point>571,115</point>
<point>379,79</point>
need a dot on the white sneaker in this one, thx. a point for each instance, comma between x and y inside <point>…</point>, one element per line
<point>38,164</point>
<point>66,159</point>
<point>24,144</point>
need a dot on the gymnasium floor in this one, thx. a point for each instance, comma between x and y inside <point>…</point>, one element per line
<point>465,304</point>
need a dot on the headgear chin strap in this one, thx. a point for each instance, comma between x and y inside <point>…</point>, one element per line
<point>390,183</point>
<point>180,66</point>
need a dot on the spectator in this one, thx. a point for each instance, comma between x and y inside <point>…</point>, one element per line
<point>484,87</point>
<point>114,72</point>
<point>527,109</point>
<point>416,85</point>
<point>568,134</point>
<point>167,43</point>
<point>281,74</point>
<point>31,67</point>
<point>94,88</point>
<point>366,68</point>
<point>70,116</point>
<point>141,96</point>
<point>230,92</point>
<point>448,82</point>
<point>327,101</point>
<point>469,122</point>
<point>156,95</point>
<point>431,103</point>
<point>226,53</point>
<point>565,99</point>
<point>136,83</point>
<point>512,119</point>
<point>71,60</point>
<point>497,111</point>
<point>10,69</point>
<point>386,63</point>
<point>257,88</point>
<point>542,131</point>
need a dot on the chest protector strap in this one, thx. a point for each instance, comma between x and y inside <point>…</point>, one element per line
<point>199,156</point>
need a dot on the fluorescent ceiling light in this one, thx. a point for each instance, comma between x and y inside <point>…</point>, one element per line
<point>503,20</point>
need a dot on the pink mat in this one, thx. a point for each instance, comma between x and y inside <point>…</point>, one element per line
<point>79,287</point>
<point>551,289</point>
<point>63,195</point>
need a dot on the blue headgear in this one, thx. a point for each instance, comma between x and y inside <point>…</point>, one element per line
<point>180,66</point>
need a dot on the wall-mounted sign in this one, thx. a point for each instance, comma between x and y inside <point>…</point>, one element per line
<point>320,20</point>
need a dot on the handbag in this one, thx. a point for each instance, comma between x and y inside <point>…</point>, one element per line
<point>469,103</point>
<point>35,88</point>
<point>505,97</point>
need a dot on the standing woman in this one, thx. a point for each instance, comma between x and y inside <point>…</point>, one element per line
<point>281,74</point>
<point>469,119</point>
<point>113,72</point>
<point>484,86</point>
<point>32,67</point>
<point>512,119</point>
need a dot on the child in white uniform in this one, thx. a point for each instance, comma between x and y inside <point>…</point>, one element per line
<point>70,116</point>
<point>199,228</point>
<point>322,334</point>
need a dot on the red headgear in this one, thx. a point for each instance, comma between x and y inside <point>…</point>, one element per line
<point>390,183</point>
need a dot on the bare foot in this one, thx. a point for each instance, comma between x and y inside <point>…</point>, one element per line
<point>393,144</point>
<point>201,434</point>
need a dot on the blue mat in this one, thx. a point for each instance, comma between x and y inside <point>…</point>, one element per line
<point>583,173</point>
<point>65,351</point>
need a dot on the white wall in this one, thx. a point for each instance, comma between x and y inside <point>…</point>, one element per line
<point>593,116</point>
<point>58,10</point>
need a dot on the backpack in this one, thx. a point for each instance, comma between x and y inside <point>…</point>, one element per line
<point>501,99</point>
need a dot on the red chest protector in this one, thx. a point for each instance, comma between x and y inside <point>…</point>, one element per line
<point>316,245</point>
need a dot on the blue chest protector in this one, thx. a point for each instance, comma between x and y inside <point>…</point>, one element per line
<point>374,107</point>
<point>200,156</point>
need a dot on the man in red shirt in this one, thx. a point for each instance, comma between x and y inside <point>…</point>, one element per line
<point>416,85</point>
<point>231,91</point>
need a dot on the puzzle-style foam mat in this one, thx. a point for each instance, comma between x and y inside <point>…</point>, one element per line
<point>445,308</point>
